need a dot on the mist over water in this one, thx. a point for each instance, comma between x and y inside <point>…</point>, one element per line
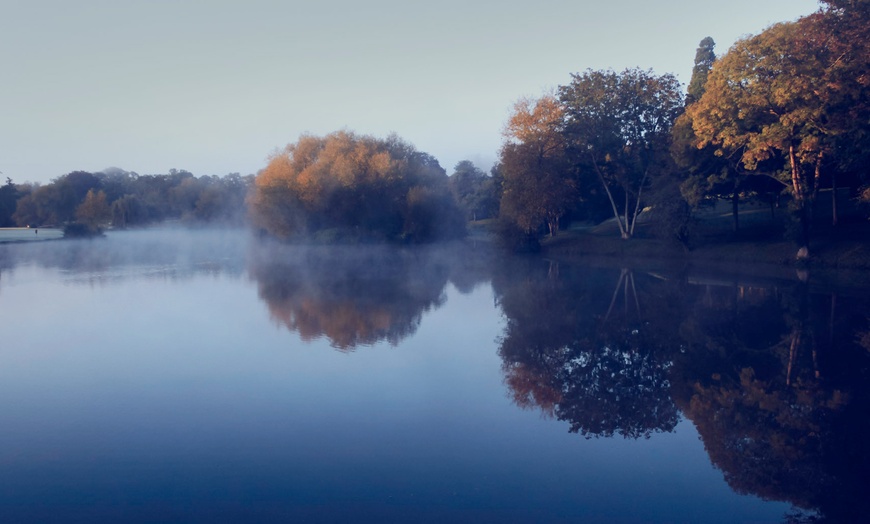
<point>201,376</point>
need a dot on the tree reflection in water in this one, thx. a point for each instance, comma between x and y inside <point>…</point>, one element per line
<point>567,352</point>
<point>357,295</point>
<point>775,382</point>
<point>773,375</point>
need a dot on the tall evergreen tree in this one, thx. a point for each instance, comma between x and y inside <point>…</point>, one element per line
<point>704,58</point>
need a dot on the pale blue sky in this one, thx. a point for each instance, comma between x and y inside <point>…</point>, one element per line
<point>215,86</point>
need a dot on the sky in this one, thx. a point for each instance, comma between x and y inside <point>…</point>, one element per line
<point>216,87</point>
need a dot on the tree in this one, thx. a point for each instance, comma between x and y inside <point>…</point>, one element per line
<point>474,191</point>
<point>706,174</point>
<point>127,211</point>
<point>704,58</point>
<point>846,24</point>
<point>618,127</point>
<point>537,187</point>
<point>8,200</point>
<point>70,191</point>
<point>94,212</point>
<point>765,101</point>
<point>354,186</point>
<point>38,207</point>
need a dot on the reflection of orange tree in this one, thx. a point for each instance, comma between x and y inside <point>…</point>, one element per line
<point>782,414</point>
<point>767,437</point>
<point>604,376</point>
<point>353,295</point>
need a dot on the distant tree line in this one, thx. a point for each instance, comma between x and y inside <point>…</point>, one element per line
<point>87,202</point>
<point>785,111</point>
<point>782,113</point>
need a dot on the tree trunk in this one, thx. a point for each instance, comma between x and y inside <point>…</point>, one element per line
<point>834,199</point>
<point>622,231</point>
<point>735,206</point>
<point>803,208</point>
<point>637,204</point>
<point>627,231</point>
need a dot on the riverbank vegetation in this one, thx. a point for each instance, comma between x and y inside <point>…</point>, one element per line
<point>86,203</point>
<point>612,161</point>
<point>782,118</point>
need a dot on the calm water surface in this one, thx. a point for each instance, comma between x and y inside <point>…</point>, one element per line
<point>168,376</point>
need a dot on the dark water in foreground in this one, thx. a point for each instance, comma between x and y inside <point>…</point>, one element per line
<point>201,377</point>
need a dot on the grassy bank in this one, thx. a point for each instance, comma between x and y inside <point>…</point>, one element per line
<point>761,239</point>
<point>26,234</point>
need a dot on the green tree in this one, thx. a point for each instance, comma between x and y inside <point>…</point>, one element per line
<point>8,200</point>
<point>474,191</point>
<point>704,58</point>
<point>618,126</point>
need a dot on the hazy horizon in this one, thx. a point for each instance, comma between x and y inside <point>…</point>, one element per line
<point>148,87</point>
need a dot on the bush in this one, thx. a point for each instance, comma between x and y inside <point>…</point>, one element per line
<point>79,230</point>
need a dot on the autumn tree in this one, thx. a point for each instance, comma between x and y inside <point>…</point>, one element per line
<point>765,101</point>
<point>618,128</point>
<point>94,211</point>
<point>358,186</point>
<point>846,24</point>
<point>537,186</point>
<point>38,206</point>
<point>705,173</point>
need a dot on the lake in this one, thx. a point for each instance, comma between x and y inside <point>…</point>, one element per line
<point>205,376</point>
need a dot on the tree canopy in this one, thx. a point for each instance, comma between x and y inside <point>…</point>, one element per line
<point>769,103</point>
<point>618,126</point>
<point>538,187</point>
<point>355,186</point>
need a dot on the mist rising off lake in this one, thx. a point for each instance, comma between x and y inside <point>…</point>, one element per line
<point>204,376</point>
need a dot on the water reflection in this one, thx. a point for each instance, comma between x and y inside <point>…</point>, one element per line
<point>361,295</point>
<point>773,375</point>
<point>775,380</point>
<point>568,349</point>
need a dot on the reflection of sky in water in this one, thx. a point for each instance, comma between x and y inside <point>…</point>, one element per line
<point>179,399</point>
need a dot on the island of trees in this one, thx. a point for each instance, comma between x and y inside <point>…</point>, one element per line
<point>782,119</point>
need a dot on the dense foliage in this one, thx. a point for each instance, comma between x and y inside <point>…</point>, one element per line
<point>785,111</point>
<point>346,186</point>
<point>537,183</point>
<point>123,199</point>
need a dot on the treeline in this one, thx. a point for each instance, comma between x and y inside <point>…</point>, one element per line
<point>86,202</point>
<point>785,111</point>
<point>781,116</point>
